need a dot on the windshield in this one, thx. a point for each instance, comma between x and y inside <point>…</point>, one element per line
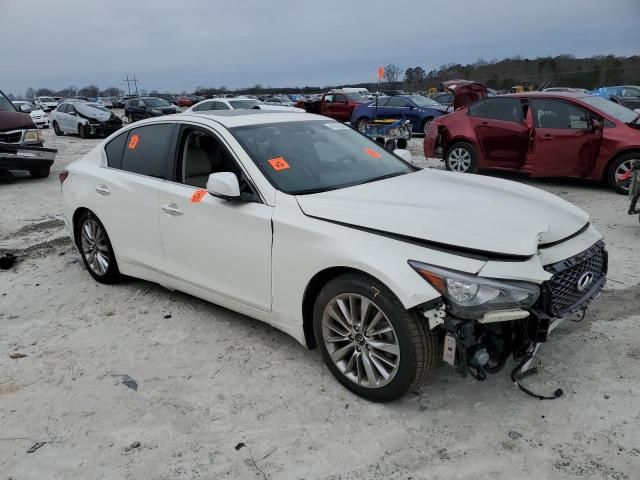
<point>5,104</point>
<point>248,103</point>
<point>317,156</point>
<point>421,101</point>
<point>99,107</point>
<point>620,113</point>
<point>156,102</point>
<point>47,99</point>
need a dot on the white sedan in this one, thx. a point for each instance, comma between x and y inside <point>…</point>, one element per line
<point>302,222</point>
<point>39,117</point>
<point>239,103</point>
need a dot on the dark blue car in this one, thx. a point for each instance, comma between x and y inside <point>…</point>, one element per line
<point>418,109</point>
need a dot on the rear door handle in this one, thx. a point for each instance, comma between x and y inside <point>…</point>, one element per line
<point>172,209</point>
<point>103,190</point>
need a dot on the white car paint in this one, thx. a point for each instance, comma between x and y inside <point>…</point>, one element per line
<point>46,103</point>
<point>39,117</point>
<point>266,269</point>
<point>228,104</point>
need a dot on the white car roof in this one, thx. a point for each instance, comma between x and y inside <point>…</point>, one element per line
<point>241,118</point>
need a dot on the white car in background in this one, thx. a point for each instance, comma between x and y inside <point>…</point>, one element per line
<point>84,119</point>
<point>46,103</point>
<point>238,103</point>
<point>39,117</point>
<point>304,223</point>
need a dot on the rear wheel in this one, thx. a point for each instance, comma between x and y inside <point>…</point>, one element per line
<point>619,173</point>
<point>461,157</point>
<point>40,172</point>
<point>361,124</point>
<point>95,249</point>
<point>56,129</point>
<point>371,344</point>
<point>426,125</point>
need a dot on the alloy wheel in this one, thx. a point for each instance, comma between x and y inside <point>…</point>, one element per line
<point>622,174</point>
<point>94,246</point>
<point>460,160</point>
<point>360,340</point>
<point>427,126</point>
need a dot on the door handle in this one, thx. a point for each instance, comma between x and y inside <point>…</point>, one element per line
<point>172,209</point>
<point>103,190</point>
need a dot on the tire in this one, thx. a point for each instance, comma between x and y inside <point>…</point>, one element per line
<point>40,172</point>
<point>89,226</point>
<point>620,167</point>
<point>56,129</point>
<point>82,131</point>
<point>424,128</point>
<point>409,335</point>
<point>461,157</point>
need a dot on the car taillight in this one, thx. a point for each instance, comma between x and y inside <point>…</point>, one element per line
<point>63,176</point>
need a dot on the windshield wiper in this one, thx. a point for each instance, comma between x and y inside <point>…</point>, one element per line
<point>389,175</point>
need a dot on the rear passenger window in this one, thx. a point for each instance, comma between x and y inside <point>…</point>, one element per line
<point>506,109</point>
<point>114,150</point>
<point>146,150</point>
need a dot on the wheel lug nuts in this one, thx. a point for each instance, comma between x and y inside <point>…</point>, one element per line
<point>368,347</point>
<point>356,329</point>
<point>358,349</point>
<point>350,337</point>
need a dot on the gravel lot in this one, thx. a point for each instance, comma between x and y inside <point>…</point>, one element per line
<point>219,395</point>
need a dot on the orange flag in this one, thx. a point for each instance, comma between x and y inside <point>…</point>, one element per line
<point>380,72</point>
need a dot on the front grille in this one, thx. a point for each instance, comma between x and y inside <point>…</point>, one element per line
<point>565,295</point>
<point>15,136</point>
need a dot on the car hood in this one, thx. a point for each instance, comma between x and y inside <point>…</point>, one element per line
<point>467,211</point>
<point>15,120</point>
<point>90,112</point>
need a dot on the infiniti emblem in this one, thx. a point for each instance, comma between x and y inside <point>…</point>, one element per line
<point>584,281</point>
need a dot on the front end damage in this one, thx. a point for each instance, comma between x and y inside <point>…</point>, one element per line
<point>482,346</point>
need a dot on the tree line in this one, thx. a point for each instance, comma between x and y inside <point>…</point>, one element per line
<point>561,70</point>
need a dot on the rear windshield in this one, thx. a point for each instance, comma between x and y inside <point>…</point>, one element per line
<point>240,104</point>
<point>47,99</point>
<point>317,156</point>
<point>620,113</point>
<point>155,102</point>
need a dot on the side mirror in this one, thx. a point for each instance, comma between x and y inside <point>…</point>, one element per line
<point>25,108</point>
<point>224,185</point>
<point>403,154</point>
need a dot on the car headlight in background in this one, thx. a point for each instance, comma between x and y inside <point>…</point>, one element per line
<point>156,111</point>
<point>470,296</point>
<point>33,136</point>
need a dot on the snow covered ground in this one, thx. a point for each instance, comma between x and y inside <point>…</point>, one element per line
<point>135,381</point>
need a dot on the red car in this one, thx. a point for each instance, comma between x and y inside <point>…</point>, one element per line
<point>184,102</point>
<point>556,134</point>
<point>336,104</point>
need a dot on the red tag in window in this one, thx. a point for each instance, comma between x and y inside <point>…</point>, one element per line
<point>372,153</point>
<point>278,164</point>
<point>133,142</point>
<point>198,195</point>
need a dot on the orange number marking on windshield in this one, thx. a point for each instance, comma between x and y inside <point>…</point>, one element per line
<point>372,153</point>
<point>133,142</point>
<point>278,164</point>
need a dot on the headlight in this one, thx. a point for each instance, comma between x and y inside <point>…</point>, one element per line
<point>470,296</point>
<point>33,136</point>
<point>156,111</point>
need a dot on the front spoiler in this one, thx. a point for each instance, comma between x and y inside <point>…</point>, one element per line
<point>21,157</point>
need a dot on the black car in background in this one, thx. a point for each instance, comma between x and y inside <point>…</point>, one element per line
<point>146,107</point>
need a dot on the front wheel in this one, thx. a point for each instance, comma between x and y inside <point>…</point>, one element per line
<point>426,125</point>
<point>619,173</point>
<point>361,124</point>
<point>461,157</point>
<point>95,249</point>
<point>83,131</point>
<point>56,129</point>
<point>370,343</point>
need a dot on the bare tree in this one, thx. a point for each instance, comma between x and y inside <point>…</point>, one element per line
<point>30,93</point>
<point>392,73</point>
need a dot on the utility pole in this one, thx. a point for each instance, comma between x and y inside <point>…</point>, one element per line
<point>129,81</point>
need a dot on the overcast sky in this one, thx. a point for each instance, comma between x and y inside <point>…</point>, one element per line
<point>177,45</point>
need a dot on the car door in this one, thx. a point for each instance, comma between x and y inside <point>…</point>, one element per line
<point>220,246</point>
<point>127,193</point>
<point>563,140</point>
<point>60,116</point>
<point>341,109</point>
<point>500,131</point>
<point>400,108</point>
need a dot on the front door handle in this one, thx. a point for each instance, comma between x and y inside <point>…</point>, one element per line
<point>172,209</point>
<point>103,190</point>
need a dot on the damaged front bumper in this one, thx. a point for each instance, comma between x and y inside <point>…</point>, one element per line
<point>482,346</point>
<point>22,157</point>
